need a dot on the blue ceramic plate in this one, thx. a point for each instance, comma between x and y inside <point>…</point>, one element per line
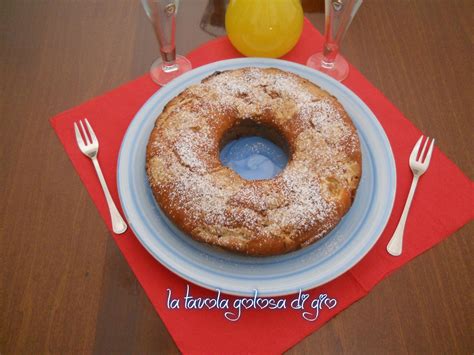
<point>315,265</point>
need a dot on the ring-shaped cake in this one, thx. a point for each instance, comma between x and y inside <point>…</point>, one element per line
<point>212,203</point>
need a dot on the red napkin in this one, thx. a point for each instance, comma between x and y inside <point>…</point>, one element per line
<point>443,203</point>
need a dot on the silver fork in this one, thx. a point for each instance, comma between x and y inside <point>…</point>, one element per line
<point>90,148</point>
<point>418,166</point>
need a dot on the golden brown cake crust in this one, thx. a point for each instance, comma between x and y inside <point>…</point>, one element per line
<point>212,203</point>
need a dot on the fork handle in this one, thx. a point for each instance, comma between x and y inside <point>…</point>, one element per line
<point>118,224</point>
<point>394,247</point>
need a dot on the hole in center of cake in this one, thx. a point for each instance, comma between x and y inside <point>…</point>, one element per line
<point>254,151</point>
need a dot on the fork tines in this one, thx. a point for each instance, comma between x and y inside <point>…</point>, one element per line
<point>416,155</point>
<point>88,134</point>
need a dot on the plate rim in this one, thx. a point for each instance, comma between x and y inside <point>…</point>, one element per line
<point>264,62</point>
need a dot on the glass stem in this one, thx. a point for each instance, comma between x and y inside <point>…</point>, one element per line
<point>330,52</point>
<point>168,55</point>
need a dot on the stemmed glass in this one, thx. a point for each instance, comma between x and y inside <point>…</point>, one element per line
<point>162,14</point>
<point>338,17</point>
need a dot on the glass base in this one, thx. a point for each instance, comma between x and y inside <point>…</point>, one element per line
<point>339,69</point>
<point>162,74</point>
